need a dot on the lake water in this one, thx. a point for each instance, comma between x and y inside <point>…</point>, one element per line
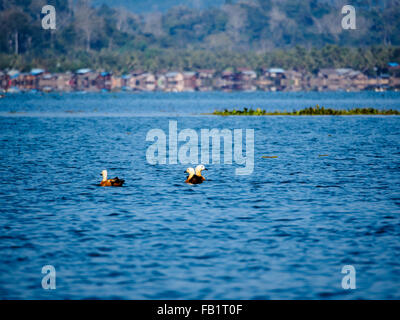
<point>330,198</point>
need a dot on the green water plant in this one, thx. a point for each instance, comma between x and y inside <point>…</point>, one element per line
<point>311,111</point>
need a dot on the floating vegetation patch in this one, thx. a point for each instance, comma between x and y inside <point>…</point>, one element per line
<point>16,112</point>
<point>311,111</point>
<point>73,111</point>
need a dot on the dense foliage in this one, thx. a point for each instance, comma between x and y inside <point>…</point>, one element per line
<point>311,111</point>
<point>305,35</point>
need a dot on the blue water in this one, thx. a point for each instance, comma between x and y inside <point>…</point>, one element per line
<point>283,232</point>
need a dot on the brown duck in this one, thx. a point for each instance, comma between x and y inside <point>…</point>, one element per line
<point>195,176</point>
<point>116,182</point>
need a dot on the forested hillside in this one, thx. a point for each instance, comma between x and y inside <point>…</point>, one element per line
<point>303,34</point>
